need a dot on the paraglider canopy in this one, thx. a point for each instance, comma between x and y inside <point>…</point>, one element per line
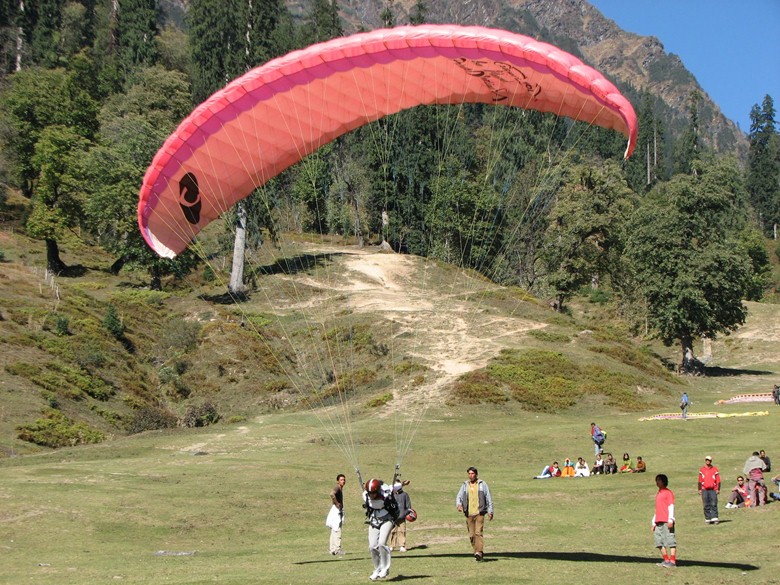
<point>277,114</point>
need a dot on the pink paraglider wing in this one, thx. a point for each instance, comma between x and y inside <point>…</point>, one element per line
<point>277,114</point>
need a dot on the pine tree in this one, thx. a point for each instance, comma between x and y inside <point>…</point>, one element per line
<point>321,23</point>
<point>419,13</point>
<point>136,32</point>
<point>687,149</point>
<point>763,176</point>
<point>216,45</point>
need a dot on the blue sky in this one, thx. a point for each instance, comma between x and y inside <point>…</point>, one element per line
<point>732,47</point>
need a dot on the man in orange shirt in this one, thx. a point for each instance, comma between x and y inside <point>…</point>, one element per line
<point>663,523</point>
<point>709,488</point>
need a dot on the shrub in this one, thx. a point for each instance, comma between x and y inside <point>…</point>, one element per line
<point>179,336</point>
<point>200,416</point>
<point>114,324</point>
<point>380,400</point>
<point>478,388</point>
<point>57,430</point>
<point>62,326</point>
<point>151,418</point>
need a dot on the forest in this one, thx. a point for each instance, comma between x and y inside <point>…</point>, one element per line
<point>676,237</point>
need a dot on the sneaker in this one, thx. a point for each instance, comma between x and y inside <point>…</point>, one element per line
<point>383,574</point>
<point>402,549</point>
<point>670,565</point>
<point>729,506</point>
<point>706,520</point>
<point>477,557</point>
<point>374,576</point>
<point>715,520</point>
<point>661,564</point>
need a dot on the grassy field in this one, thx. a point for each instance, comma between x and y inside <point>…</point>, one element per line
<point>246,503</point>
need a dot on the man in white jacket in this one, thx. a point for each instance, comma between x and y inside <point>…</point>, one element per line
<point>335,517</point>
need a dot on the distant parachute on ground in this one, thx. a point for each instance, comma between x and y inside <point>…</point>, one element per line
<point>277,114</point>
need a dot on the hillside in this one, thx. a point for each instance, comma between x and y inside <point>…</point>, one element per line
<point>326,323</point>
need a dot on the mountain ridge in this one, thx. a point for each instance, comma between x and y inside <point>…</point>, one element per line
<point>634,62</point>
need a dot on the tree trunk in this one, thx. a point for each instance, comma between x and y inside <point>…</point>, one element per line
<point>690,365</point>
<point>53,261</point>
<point>236,285</point>
<point>156,280</point>
<point>118,265</point>
<point>19,40</point>
<point>358,229</point>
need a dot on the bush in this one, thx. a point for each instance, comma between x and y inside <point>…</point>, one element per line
<point>380,400</point>
<point>57,430</point>
<point>62,326</point>
<point>151,418</point>
<point>200,416</point>
<point>114,324</point>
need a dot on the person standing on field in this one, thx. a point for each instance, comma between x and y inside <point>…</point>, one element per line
<point>663,523</point>
<point>336,515</point>
<point>474,501</point>
<point>754,470</point>
<point>598,438</point>
<point>709,488</point>
<point>381,515</point>
<point>684,404</point>
<point>398,534</point>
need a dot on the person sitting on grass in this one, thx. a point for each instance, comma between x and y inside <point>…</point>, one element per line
<point>627,466</point>
<point>739,497</point>
<point>568,468</point>
<point>610,465</point>
<point>549,471</point>
<point>598,465</point>
<point>640,465</point>
<point>581,468</point>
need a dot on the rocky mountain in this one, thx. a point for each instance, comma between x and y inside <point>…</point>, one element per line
<point>633,62</point>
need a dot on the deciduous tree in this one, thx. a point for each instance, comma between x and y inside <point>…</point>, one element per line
<point>689,268</point>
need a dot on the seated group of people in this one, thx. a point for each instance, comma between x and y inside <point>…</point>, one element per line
<point>569,469</point>
<point>606,465</point>
<point>753,492</point>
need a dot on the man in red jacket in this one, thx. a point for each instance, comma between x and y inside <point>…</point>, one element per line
<point>709,488</point>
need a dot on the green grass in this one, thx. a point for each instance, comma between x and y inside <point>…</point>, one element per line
<point>248,496</point>
<point>249,502</point>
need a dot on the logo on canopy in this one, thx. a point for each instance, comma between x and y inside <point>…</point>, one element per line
<point>497,76</point>
<point>189,198</point>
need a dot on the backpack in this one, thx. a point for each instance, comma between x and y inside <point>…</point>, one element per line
<point>391,505</point>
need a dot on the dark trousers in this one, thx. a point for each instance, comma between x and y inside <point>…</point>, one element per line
<point>710,500</point>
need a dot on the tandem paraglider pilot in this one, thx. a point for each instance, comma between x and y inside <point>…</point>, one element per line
<point>475,502</point>
<point>381,515</point>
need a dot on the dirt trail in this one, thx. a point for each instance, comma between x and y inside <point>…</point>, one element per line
<point>449,333</point>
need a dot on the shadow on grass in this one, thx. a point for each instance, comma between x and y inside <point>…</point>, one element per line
<point>590,557</point>
<point>301,263</point>
<point>717,372</point>
<point>583,557</point>
<point>296,264</point>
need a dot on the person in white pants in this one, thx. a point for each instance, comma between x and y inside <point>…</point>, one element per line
<point>382,512</point>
